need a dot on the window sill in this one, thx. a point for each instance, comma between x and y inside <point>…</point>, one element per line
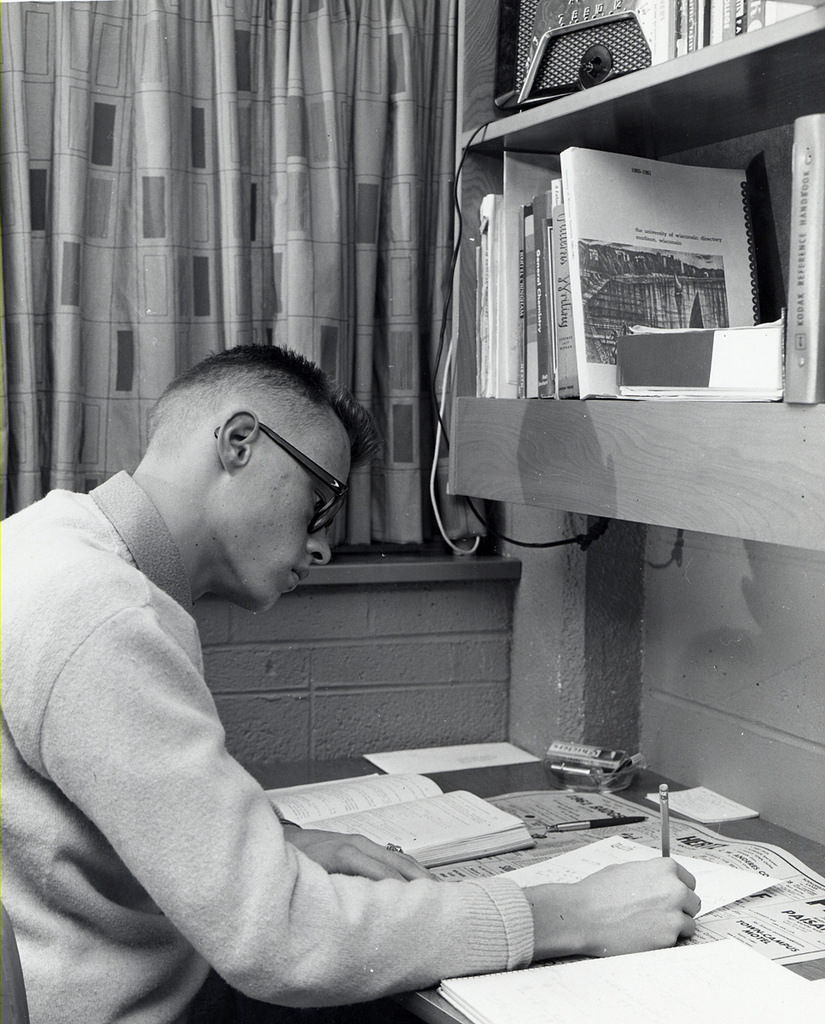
<point>359,569</point>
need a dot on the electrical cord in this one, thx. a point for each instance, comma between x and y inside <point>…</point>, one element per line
<point>441,435</point>
<point>450,283</point>
<point>584,540</point>
<point>458,549</point>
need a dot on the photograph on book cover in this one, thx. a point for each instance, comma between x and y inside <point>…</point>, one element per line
<point>675,252</point>
<point>625,285</point>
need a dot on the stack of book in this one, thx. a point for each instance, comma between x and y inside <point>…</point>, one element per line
<point>615,276</point>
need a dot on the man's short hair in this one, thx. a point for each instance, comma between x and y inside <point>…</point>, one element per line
<point>267,369</point>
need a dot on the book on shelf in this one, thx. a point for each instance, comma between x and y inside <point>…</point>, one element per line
<point>715,981</point>
<point>409,811</point>
<point>728,18</point>
<point>567,376</point>
<point>756,15</point>
<point>658,22</point>
<point>719,20</point>
<point>545,312</point>
<point>694,20</point>
<point>649,242</point>
<point>524,174</point>
<point>530,366</point>
<point>487,294</point>
<point>805,352</point>
<point>737,364</point>
<point>722,13</point>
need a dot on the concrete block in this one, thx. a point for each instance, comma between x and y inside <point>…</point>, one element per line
<point>331,612</point>
<point>212,617</point>
<point>262,668</point>
<point>353,723</point>
<point>441,608</point>
<point>393,662</point>
<point>264,729</point>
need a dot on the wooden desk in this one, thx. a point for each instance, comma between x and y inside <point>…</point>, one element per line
<point>489,782</point>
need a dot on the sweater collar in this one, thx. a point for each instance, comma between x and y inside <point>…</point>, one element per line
<point>144,532</point>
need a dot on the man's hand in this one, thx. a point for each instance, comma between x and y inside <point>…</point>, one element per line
<point>353,855</point>
<point>624,908</point>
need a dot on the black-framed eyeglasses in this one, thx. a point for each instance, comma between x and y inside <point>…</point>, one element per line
<point>328,505</point>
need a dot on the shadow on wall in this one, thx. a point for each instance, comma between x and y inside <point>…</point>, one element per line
<point>577,675</point>
<point>785,597</point>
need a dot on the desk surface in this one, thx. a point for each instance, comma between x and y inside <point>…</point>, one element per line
<point>489,782</point>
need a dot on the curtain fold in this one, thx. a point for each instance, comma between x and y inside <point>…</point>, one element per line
<point>181,176</point>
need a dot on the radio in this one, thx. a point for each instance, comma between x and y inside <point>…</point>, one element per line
<point>562,46</point>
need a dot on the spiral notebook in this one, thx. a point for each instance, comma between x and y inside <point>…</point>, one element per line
<point>664,245</point>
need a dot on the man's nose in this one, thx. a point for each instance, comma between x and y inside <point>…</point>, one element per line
<point>318,548</point>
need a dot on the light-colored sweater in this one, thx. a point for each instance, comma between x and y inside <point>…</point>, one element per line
<point>135,849</point>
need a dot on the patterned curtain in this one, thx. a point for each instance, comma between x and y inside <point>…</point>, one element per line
<point>182,176</point>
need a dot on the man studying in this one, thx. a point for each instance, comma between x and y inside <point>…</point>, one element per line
<point>136,851</point>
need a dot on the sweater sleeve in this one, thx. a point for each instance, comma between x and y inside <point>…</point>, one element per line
<point>131,736</point>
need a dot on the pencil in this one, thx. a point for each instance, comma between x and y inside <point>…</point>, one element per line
<point>665,809</point>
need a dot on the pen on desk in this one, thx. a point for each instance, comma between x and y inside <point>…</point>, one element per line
<point>664,805</point>
<point>575,826</point>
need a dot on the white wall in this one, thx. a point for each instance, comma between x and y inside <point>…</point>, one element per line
<point>734,673</point>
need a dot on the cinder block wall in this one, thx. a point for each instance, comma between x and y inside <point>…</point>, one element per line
<point>734,662</point>
<point>337,671</point>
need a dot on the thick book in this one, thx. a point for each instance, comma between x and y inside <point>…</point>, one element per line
<point>805,353</point>
<point>649,242</point>
<point>710,981</point>
<point>410,812</point>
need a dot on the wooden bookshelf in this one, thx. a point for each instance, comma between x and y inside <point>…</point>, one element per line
<point>747,470</point>
<point>751,470</point>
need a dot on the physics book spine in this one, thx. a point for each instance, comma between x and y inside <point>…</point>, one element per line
<point>805,345</point>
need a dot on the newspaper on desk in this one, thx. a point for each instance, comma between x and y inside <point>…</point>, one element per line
<point>785,922</point>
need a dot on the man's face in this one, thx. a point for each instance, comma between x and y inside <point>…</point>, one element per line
<point>264,547</point>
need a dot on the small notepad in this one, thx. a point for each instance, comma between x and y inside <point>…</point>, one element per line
<point>703,804</point>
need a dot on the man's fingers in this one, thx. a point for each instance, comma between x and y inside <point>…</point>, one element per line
<point>376,864</point>
<point>353,854</point>
<point>693,904</point>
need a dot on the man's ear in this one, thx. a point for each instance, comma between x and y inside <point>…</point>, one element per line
<point>233,440</point>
